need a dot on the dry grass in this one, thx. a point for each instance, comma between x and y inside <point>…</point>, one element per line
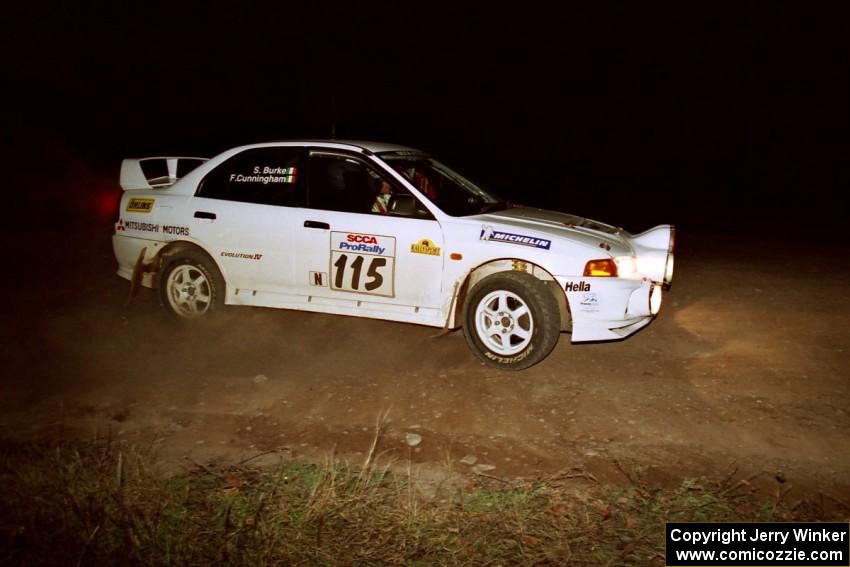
<point>101,504</point>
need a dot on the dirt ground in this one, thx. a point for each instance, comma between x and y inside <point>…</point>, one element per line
<point>746,369</point>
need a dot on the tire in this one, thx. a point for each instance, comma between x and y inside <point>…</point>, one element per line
<point>511,320</point>
<point>190,286</point>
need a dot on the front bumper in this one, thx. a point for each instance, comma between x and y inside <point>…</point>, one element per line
<point>609,308</point>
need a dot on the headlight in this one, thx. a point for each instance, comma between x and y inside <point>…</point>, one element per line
<point>668,268</point>
<point>655,299</point>
<point>626,266</point>
<point>605,267</point>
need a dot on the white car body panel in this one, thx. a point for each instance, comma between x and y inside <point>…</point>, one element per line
<point>269,257</point>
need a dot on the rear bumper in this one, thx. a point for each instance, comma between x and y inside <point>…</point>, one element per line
<point>127,250</point>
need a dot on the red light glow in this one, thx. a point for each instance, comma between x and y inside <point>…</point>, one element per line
<point>106,203</point>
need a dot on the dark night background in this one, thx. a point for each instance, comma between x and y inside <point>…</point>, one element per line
<point>729,120</point>
<point>706,116</point>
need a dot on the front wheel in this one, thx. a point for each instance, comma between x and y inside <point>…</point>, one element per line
<point>511,320</point>
<point>190,286</point>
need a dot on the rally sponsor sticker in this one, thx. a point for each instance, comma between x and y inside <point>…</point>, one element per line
<point>137,205</point>
<point>242,255</point>
<point>489,234</point>
<point>589,302</point>
<point>363,263</point>
<point>425,246</point>
<point>577,286</point>
<point>139,226</point>
<point>175,230</point>
<point>363,243</point>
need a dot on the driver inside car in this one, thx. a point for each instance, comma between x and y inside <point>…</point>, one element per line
<point>382,200</point>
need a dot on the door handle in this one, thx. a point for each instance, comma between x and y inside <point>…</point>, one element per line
<point>204,215</point>
<point>316,224</point>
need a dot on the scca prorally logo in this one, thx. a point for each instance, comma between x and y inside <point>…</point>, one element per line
<point>140,205</point>
<point>359,243</point>
<point>487,233</point>
<point>367,243</point>
<point>365,238</point>
<point>425,246</point>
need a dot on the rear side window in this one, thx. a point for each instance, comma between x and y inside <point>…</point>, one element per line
<point>266,176</point>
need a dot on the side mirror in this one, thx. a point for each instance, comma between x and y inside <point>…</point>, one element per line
<point>402,205</point>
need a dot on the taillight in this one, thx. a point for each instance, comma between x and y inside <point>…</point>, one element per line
<point>106,203</point>
<point>601,268</point>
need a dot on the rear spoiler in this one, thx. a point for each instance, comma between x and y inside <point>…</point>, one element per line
<point>157,173</point>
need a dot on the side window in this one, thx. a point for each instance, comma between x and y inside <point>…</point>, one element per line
<point>346,184</point>
<point>266,176</point>
<point>339,183</point>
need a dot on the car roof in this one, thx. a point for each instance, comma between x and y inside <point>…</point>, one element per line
<point>374,147</point>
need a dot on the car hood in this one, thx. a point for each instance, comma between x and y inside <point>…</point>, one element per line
<point>561,225</point>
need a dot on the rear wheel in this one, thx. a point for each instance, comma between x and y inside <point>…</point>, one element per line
<point>511,320</point>
<point>190,286</point>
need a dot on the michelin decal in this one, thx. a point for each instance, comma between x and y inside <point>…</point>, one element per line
<point>489,234</point>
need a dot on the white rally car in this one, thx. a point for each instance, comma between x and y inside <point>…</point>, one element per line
<point>382,231</point>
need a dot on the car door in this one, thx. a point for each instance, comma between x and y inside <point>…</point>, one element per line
<point>348,254</point>
<point>243,213</point>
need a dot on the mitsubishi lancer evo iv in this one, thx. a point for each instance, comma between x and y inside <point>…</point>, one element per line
<point>382,231</point>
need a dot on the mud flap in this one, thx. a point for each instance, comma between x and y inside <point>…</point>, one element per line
<point>445,330</point>
<point>139,271</point>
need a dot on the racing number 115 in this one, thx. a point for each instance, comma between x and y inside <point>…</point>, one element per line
<point>371,283</point>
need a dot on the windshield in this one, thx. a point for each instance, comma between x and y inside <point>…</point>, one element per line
<point>451,192</point>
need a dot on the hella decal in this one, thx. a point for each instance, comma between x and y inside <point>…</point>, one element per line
<point>140,205</point>
<point>425,246</point>
<point>577,286</point>
<point>488,234</point>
